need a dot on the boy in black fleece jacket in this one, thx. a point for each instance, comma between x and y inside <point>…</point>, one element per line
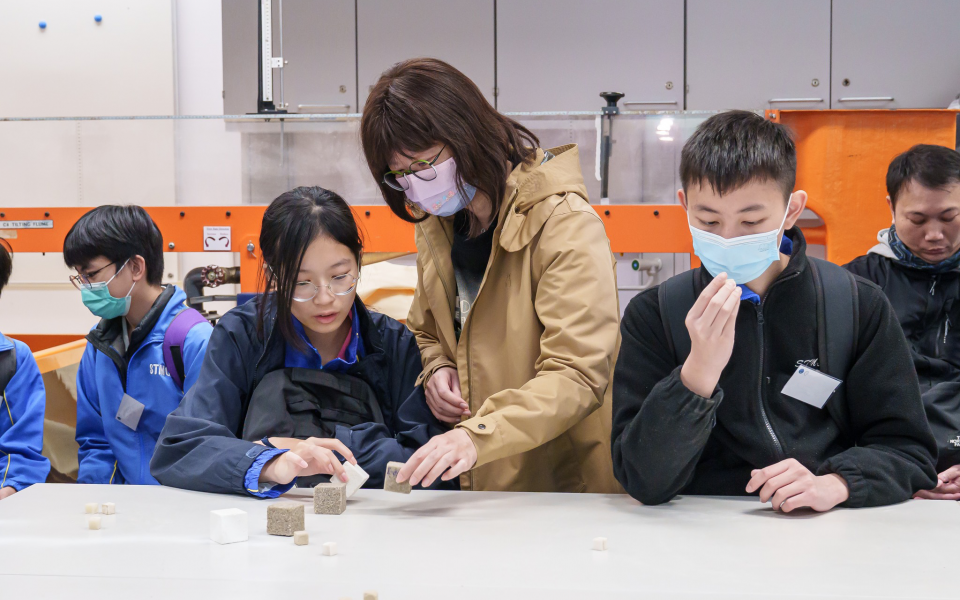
<point>718,423</point>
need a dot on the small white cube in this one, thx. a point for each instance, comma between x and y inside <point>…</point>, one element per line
<point>93,522</point>
<point>109,508</point>
<point>91,508</point>
<point>600,543</point>
<point>357,477</point>
<point>228,526</point>
<point>330,549</point>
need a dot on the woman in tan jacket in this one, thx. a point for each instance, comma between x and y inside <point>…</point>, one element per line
<point>516,310</point>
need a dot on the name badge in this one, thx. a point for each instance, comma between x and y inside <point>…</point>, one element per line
<point>810,386</point>
<point>129,412</point>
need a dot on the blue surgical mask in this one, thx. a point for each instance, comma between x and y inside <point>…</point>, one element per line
<point>742,258</point>
<point>96,297</point>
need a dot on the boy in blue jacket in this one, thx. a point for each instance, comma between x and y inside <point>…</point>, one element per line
<point>22,404</point>
<point>142,356</point>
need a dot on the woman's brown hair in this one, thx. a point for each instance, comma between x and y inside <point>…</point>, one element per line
<point>422,102</point>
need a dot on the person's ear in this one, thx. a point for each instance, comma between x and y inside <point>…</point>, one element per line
<point>795,207</point>
<point>138,268</point>
<point>682,198</point>
<point>893,214</point>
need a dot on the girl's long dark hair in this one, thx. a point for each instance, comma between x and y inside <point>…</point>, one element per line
<point>290,224</point>
<point>423,102</point>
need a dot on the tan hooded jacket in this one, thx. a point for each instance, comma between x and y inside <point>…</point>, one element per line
<point>536,355</point>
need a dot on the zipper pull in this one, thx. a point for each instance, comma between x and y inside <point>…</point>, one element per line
<point>759,317</point>
<point>946,328</point>
<point>933,286</point>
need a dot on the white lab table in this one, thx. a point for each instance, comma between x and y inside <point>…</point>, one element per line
<point>465,545</point>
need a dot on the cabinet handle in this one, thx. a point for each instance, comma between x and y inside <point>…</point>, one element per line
<point>323,108</point>
<point>867,99</point>
<point>775,100</point>
<point>649,102</point>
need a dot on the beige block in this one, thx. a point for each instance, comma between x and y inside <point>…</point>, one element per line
<point>285,518</point>
<point>330,498</point>
<point>109,508</point>
<point>301,538</point>
<point>93,522</point>
<point>371,596</point>
<point>390,479</point>
<point>91,508</point>
<point>330,549</point>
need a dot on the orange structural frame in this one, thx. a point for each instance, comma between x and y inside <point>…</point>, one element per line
<point>842,160</point>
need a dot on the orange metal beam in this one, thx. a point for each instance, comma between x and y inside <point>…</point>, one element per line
<point>842,160</point>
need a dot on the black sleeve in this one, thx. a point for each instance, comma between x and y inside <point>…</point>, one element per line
<point>198,448</point>
<point>895,452</point>
<point>942,405</point>
<point>660,428</point>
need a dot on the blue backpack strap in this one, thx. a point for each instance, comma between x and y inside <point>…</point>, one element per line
<point>173,340</point>
<point>838,326</point>
<point>677,296</point>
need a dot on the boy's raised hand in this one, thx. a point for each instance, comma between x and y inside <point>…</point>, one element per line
<point>788,485</point>
<point>711,323</point>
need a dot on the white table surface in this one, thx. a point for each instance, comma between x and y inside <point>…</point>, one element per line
<point>497,546</point>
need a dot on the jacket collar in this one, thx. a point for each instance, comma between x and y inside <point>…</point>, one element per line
<point>5,343</point>
<point>108,331</point>
<point>534,189</point>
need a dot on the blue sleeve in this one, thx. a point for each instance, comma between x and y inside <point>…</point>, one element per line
<point>199,448</point>
<point>21,425</point>
<point>98,464</point>
<point>194,349</point>
<point>251,480</point>
<point>410,424</point>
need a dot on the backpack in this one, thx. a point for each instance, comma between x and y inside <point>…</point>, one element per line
<point>173,340</point>
<point>838,324</point>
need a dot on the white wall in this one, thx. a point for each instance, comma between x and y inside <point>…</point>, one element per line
<point>146,57</point>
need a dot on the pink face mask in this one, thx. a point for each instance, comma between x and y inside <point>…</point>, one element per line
<point>440,196</point>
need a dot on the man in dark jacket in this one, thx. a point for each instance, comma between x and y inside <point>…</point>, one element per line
<point>917,264</point>
<point>723,420</point>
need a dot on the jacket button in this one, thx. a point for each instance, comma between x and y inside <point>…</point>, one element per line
<point>481,426</point>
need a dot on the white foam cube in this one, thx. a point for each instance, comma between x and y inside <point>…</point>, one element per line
<point>357,477</point>
<point>330,549</point>
<point>600,543</point>
<point>93,522</point>
<point>228,526</point>
<point>91,508</point>
<point>109,508</point>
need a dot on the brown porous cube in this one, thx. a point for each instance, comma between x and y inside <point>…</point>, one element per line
<point>390,479</point>
<point>285,518</point>
<point>330,498</point>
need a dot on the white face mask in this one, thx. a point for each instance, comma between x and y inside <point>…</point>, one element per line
<point>742,258</point>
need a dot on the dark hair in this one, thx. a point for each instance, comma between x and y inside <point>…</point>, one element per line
<point>422,102</point>
<point>119,233</point>
<point>6,263</point>
<point>290,224</point>
<point>734,148</point>
<point>933,167</point>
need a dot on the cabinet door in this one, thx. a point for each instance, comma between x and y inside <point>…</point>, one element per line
<point>895,53</point>
<point>560,54</point>
<point>758,54</point>
<point>319,45</point>
<point>459,32</point>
